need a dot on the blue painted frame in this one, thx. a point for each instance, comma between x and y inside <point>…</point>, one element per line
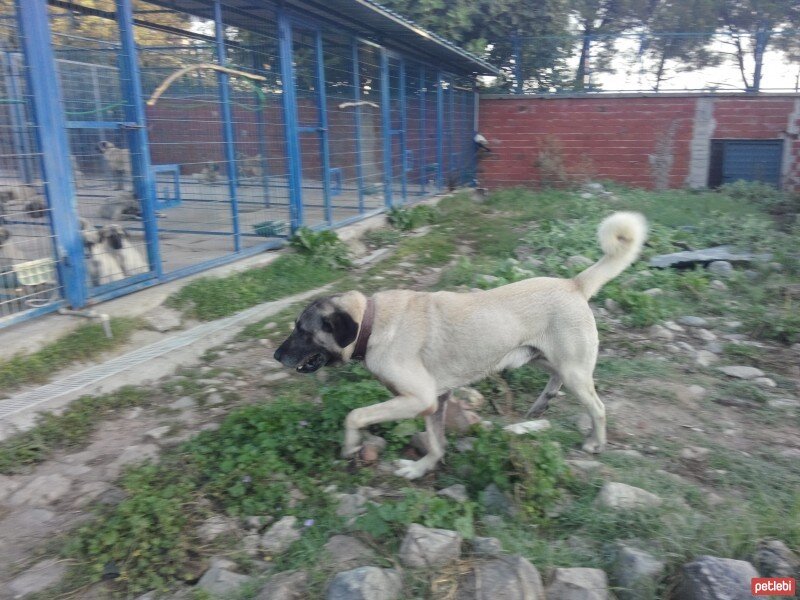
<point>175,169</point>
<point>322,106</point>
<point>386,117</point>
<point>403,127</point>
<point>439,130</point>
<point>358,132</point>
<point>423,128</point>
<point>47,104</point>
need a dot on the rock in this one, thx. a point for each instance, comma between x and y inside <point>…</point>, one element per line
<point>721,268</point>
<point>38,578</point>
<point>280,536</point>
<point>216,526</point>
<point>90,491</point>
<point>620,496</point>
<point>289,585</point>
<point>578,260</point>
<point>365,583</point>
<point>496,502</point>
<point>158,432</point>
<point>469,398</point>
<point>673,326</point>
<point>222,582</point>
<point>705,358</point>
<point>455,492</point>
<point>465,444</point>
<point>587,196</point>
<point>457,418</point>
<point>527,427</point>
<point>636,572</point>
<point>685,346</point>
<point>793,453</point>
<point>427,547</point>
<point>578,584</point>
<point>506,578</point>
<point>718,285</point>
<point>489,547</point>
<point>585,468</point>
<point>712,578</point>
<point>594,187</point>
<point>182,403</point>
<point>704,334</point>
<point>345,552</point>
<point>694,454</point>
<point>741,372</point>
<point>275,377</point>
<point>612,305</point>
<point>705,257</point>
<point>661,332</point>
<point>786,403</point>
<point>41,491</point>
<point>691,321</point>
<point>653,292</point>
<point>8,486</point>
<point>215,398</point>
<point>351,505</point>
<point>715,347</point>
<point>773,558</point>
<point>765,382</point>
<point>163,319</point>
<point>696,392</point>
<point>136,454</point>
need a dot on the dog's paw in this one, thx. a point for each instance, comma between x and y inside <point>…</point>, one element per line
<point>350,451</point>
<point>593,447</point>
<point>410,469</point>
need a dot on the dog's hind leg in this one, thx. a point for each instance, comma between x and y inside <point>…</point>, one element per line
<point>435,442</point>
<point>543,401</point>
<point>581,383</point>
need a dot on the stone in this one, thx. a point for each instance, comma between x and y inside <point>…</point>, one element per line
<point>41,491</point>
<point>784,403</point>
<point>793,453</point>
<point>275,377</point>
<point>696,392</point>
<point>428,547</point>
<point>222,582</point>
<point>635,572</point>
<point>721,268</point>
<point>345,552</point>
<point>620,496</point>
<point>578,584</point>
<point>216,526</point>
<point>712,578</point>
<point>653,292</point>
<point>594,187</point>
<point>718,285</point>
<point>741,372</point>
<point>90,491</point>
<point>715,347</point>
<point>465,444</point>
<point>469,398</point>
<point>705,358</point>
<point>136,454</point>
<point>687,347</point>
<point>585,468</point>
<point>661,332</point>
<point>38,578</point>
<point>495,501</point>
<point>611,305</point>
<point>457,418</point>
<point>163,319</point>
<point>215,398</point>
<point>280,536</point>
<point>455,492</point>
<point>182,403</point>
<point>489,547</point>
<point>365,583</point>
<point>765,382</point>
<point>351,505</point>
<point>692,321</point>
<point>704,334</point>
<point>578,260</point>
<point>773,558</point>
<point>8,485</point>
<point>694,454</point>
<point>158,432</point>
<point>289,585</point>
<point>706,256</point>
<point>527,427</point>
<point>506,578</point>
<point>673,326</point>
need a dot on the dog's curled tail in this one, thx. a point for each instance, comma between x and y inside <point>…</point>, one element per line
<point>621,238</point>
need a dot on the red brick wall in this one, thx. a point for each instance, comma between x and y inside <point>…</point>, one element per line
<point>650,142</point>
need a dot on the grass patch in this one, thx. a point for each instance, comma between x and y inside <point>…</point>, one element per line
<point>70,429</point>
<point>85,343</point>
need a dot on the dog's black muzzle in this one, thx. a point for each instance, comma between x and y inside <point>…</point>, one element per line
<point>300,355</point>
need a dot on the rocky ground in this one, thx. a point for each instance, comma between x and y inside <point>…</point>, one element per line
<point>700,415</point>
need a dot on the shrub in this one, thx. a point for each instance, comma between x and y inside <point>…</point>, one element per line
<point>406,219</point>
<point>322,246</point>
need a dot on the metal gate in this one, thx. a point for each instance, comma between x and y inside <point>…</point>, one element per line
<point>752,160</point>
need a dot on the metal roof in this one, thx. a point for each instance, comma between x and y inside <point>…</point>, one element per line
<point>365,18</point>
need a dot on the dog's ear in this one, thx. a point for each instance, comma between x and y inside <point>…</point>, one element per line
<point>342,326</point>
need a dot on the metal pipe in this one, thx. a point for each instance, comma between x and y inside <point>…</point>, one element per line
<point>104,319</point>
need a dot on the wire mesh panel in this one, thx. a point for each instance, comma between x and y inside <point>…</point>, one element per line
<point>397,129</point>
<point>431,137</point>
<point>371,129</point>
<point>87,49</point>
<point>415,158</point>
<point>28,274</point>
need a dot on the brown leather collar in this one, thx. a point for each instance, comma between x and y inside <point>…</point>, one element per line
<point>364,331</point>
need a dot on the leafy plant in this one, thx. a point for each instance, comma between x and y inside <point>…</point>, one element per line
<point>323,245</point>
<point>406,219</point>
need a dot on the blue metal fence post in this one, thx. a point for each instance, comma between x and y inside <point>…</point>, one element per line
<point>16,111</point>
<point>144,183</point>
<point>473,129</point>
<point>451,131</point>
<point>261,132</point>
<point>322,103</point>
<point>357,116</point>
<point>403,126</point>
<point>439,131</point>
<point>52,140</point>
<point>386,117</point>
<point>423,128</point>
<point>290,121</point>
<point>227,124</point>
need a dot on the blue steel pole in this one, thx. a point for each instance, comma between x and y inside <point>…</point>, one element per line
<point>144,183</point>
<point>261,132</point>
<point>322,103</point>
<point>439,131</point>
<point>17,114</point>
<point>51,135</point>
<point>227,125</point>
<point>423,128</point>
<point>386,114</point>
<point>403,125</point>
<point>357,99</point>
<point>451,130</point>
<point>290,121</point>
